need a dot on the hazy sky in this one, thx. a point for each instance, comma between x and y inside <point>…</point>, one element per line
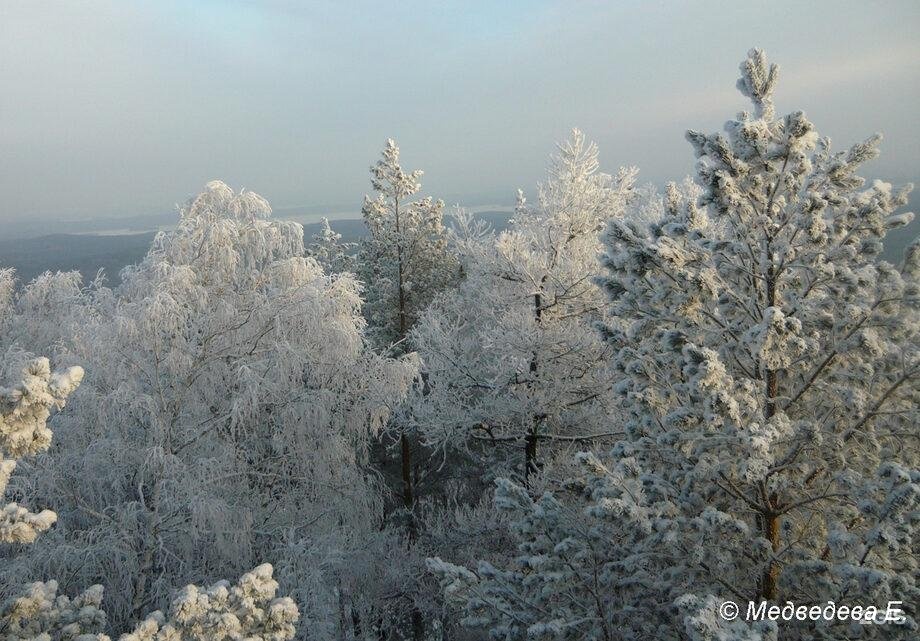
<point>120,107</point>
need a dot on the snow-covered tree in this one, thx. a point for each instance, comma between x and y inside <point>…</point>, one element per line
<point>404,261</point>
<point>512,356</point>
<point>768,365</point>
<point>45,316</point>
<point>229,405</point>
<point>330,252</point>
<point>579,573</point>
<point>37,613</point>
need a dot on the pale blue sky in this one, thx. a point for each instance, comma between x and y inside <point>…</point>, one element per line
<point>120,107</point>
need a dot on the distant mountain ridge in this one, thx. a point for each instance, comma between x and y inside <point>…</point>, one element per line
<point>88,253</point>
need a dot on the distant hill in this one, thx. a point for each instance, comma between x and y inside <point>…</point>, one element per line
<point>88,253</point>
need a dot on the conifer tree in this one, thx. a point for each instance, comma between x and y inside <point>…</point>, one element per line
<point>404,262</point>
<point>329,251</point>
<point>768,365</point>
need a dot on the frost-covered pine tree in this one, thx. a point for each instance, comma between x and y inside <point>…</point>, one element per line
<point>512,356</point>
<point>580,572</point>
<point>768,367</point>
<point>404,261</point>
<point>330,252</point>
<point>226,416</point>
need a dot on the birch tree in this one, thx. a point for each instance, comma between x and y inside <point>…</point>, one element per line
<point>249,609</point>
<point>512,357</point>
<point>229,407</point>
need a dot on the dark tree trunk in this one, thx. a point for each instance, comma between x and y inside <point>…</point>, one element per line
<point>406,453</point>
<point>769,520</point>
<point>531,463</point>
<point>405,444</point>
<point>530,455</point>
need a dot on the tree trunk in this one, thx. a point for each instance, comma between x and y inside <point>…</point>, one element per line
<point>356,626</point>
<point>400,268</point>
<point>770,578</point>
<point>418,625</point>
<point>405,446</point>
<point>530,441</point>
<point>530,454</point>
<point>343,613</point>
<point>406,451</point>
<point>148,557</point>
<point>770,521</point>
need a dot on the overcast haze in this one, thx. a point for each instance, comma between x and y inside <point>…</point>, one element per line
<point>125,108</point>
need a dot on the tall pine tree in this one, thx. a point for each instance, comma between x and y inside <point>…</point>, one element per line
<point>769,366</point>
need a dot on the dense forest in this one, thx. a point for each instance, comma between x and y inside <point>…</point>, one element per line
<point>605,421</point>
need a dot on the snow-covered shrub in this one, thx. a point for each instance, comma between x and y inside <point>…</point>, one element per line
<point>248,610</point>
<point>224,612</point>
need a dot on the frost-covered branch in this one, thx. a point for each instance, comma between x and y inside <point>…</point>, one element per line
<point>24,413</point>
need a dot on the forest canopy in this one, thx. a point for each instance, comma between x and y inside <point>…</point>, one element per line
<point>627,409</point>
